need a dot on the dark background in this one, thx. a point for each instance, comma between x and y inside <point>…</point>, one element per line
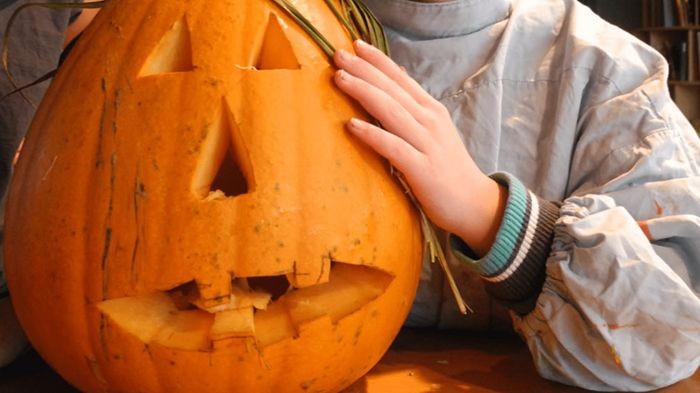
<point>624,13</point>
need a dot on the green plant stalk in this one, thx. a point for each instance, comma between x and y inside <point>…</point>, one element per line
<point>343,19</point>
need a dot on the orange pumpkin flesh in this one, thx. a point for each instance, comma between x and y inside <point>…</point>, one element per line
<point>189,214</point>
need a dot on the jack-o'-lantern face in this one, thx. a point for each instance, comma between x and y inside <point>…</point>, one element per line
<point>190,206</point>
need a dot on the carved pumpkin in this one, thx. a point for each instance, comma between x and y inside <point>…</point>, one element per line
<point>189,215</point>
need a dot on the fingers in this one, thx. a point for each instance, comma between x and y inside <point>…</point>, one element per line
<point>384,107</point>
<point>398,74</point>
<point>396,150</point>
<point>379,78</point>
<point>413,118</point>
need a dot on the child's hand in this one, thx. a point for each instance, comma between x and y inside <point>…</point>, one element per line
<point>423,143</point>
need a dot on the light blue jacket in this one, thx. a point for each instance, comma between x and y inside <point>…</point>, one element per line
<point>575,117</point>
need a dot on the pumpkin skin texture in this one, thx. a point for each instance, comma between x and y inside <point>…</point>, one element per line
<point>187,153</point>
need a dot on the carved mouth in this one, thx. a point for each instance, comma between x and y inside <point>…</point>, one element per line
<point>265,309</point>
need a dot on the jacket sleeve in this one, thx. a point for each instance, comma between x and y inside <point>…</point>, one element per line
<point>618,308</point>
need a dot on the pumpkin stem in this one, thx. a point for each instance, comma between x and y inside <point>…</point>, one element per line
<point>6,43</point>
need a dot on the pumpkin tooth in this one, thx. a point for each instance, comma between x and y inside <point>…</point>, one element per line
<point>309,273</point>
<point>215,292</point>
<point>242,296</point>
<point>236,322</point>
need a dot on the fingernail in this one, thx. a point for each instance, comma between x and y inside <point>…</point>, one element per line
<point>343,54</point>
<point>355,123</point>
<point>341,74</point>
<point>363,44</point>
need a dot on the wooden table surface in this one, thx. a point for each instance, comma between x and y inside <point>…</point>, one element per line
<point>419,361</point>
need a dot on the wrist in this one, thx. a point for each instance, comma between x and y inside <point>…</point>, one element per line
<point>481,220</point>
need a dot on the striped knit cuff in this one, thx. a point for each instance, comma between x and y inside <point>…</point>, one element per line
<point>514,269</point>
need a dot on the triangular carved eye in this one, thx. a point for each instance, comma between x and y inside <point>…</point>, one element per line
<point>276,52</point>
<point>173,53</point>
<point>224,168</point>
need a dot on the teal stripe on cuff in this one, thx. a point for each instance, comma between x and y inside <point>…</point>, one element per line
<point>507,237</point>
